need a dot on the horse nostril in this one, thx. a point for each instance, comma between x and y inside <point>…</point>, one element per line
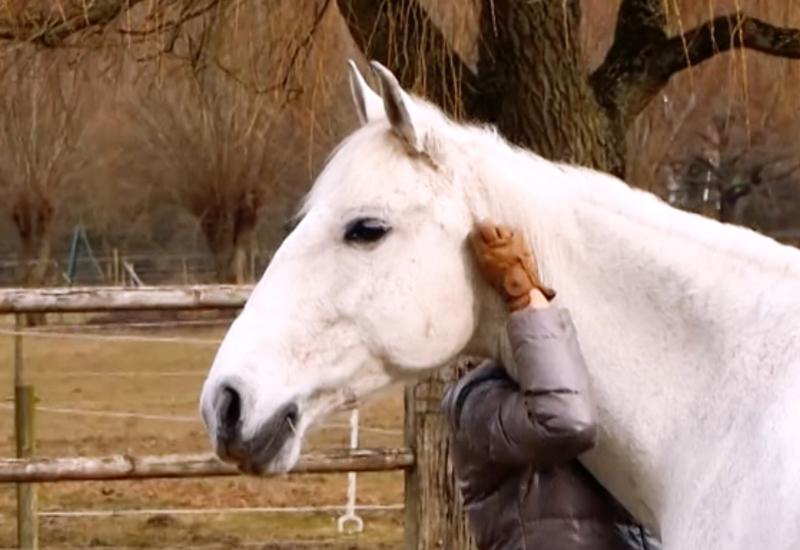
<point>229,411</point>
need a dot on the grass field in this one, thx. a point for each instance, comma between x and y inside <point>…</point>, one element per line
<point>89,374</point>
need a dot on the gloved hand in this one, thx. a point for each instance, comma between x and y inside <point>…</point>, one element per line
<point>505,261</point>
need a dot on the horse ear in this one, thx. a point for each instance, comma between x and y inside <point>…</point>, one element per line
<point>398,106</point>
<point>369,105</point>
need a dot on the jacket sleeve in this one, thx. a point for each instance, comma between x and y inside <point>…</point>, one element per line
<point>638,538</point>
<point>549,418</point>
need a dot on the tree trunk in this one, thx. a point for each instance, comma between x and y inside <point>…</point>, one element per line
<point>435,516</point>
<point>34,259</point>
<point>229,245</point>
<point>535,88</point>
<point>531,82</point>
<point>32,215</point>
<point>229,262</point>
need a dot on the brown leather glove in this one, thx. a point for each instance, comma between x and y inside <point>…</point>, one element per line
<point>505,261</point>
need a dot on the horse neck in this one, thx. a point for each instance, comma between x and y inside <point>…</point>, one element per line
<point>655,305</point>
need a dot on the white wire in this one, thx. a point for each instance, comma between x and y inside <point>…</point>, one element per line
<point>117,325</point>
<point>203,511</point>
<point>131,374</point>
<point>115,338</point>
<point>111,414</point>
<point>175,418</point>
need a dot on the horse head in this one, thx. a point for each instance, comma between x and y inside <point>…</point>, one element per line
<point>373,286</point>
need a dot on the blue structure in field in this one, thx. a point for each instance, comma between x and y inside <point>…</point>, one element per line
<point>80,239</point>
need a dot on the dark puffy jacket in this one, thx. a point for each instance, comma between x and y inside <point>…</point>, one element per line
<point>514,447</point>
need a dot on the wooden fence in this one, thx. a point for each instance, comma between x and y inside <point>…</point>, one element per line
<point>433,512</point>
<point>116,467</point>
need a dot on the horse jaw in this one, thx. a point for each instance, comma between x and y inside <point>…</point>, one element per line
<point>321,348</point>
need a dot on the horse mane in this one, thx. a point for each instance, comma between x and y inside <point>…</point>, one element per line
<point>570,189</point>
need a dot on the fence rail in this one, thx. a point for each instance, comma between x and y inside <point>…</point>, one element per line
<point>88,299</point>
<point>118,467</point>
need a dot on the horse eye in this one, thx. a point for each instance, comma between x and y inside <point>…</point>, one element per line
<point>365,230</point>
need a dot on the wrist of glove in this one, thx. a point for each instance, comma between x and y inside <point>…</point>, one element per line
<point>517,286</point>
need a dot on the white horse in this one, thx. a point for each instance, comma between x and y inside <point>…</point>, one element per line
<point>691,328</point>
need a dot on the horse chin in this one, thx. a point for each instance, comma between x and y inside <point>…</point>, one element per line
<point>281,463</point>
<point>287,459</point>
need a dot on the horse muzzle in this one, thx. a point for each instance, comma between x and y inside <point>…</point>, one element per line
<point>261,452</point>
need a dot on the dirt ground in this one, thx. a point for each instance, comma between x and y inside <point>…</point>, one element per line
<point>86,372</point>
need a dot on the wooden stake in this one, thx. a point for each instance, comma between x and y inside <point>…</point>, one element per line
<point>25,433</point>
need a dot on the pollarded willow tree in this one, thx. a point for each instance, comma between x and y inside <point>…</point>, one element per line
<point>41,127</point>
<point>201,98</point>
<point>216,152</point>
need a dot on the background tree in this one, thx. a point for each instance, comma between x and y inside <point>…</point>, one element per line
<point>746,178</point>
<point>191,121</point>
<point>215,151</point>
<point>41,127</point>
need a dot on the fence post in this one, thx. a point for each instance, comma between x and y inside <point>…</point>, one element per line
<point>25,434</point>
<point>115,270</point>
<point>434,510</point>
<point>350,509</point>
<point>184,270</point>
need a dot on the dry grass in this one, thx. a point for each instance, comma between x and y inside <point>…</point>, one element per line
<point>60,369</point>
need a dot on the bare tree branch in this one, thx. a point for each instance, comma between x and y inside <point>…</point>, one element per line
<point>297,54</point>
<point>50,32</point>
<point>401,35</point>
<point>644,57</point>
<point>303,46</point>
<point>721,34</point>
<point>174,26</point>
<point>640,22</point>
<point>623,76</point>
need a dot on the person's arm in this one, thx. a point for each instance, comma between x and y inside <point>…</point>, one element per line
<point>549,418</point>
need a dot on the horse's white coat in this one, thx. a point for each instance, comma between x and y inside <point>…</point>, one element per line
<point>691,328</point>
